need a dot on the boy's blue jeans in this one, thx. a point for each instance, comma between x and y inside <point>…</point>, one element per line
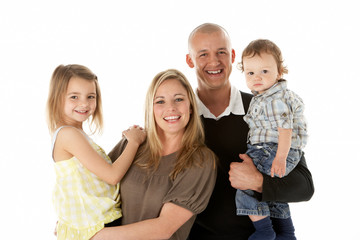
<point>263,155</point>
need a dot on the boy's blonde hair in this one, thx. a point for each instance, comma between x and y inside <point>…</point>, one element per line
<point>58,86</point>
<point>259,46</point>
<point>193,148</point>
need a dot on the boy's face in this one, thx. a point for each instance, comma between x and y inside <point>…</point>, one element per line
<point>261,72</point>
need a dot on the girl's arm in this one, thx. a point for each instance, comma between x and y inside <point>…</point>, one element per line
<point>71,142</point>
<point>284,143</point>
<point>171,218</point>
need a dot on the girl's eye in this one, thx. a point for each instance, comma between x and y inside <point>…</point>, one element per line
<point>73,97</point>
<point>264,71</point>
<point>250,73</point>
<point>92,97</point>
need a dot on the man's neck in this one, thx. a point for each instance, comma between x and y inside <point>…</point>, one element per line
<point>216,100</point>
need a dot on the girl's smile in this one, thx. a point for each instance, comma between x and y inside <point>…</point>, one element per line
<point>80,101</point>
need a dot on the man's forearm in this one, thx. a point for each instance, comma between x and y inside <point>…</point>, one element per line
<point>296,187</point>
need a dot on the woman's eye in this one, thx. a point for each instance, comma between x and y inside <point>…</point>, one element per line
<point>160,102</point>
<point>179,99</point>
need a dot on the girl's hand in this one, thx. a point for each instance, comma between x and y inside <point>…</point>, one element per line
<point>135,134</point>
<point>278,167</point>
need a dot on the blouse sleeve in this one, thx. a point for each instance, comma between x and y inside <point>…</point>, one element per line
<point>118,149</point>
<point>193,187</point>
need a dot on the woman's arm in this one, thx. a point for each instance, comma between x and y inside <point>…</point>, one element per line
<point>171,218</point>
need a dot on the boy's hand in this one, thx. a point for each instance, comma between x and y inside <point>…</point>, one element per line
<point>278,167</point>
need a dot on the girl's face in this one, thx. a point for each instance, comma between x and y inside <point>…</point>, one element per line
<point>260,72</point>
<point>80,101</point>
<point>171,108</point>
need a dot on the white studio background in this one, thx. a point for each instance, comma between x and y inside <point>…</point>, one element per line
<point>127,42</point>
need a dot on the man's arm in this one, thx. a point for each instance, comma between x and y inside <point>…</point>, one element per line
<point>295,187</point>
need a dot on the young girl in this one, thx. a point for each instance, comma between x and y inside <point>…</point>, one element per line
<point>86,194</point>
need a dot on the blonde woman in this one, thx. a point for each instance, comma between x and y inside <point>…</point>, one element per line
<point>173,174</point>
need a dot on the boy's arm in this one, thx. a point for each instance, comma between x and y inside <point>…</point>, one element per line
<point>284,143</point>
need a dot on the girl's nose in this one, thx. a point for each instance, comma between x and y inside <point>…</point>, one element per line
<point>84,103</point>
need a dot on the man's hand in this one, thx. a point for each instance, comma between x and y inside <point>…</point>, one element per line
<point>244,175</point>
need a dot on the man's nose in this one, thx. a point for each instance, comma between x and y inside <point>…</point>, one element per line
<point>214,60</point>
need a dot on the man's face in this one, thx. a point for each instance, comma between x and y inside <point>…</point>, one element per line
<point>212,57</point>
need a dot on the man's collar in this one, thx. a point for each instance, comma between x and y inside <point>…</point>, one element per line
<point>235,107</point>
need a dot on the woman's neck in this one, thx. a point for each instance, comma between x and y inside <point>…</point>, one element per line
<point>170,144</point>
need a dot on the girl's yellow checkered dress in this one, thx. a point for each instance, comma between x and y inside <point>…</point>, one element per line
<point>83,202</point>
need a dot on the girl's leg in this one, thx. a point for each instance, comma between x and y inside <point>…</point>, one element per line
<point>263,228</point>
<point>284,228</point>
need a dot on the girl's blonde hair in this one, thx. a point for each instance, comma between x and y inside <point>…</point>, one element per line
<point>193,149</point>
<point>58,86</point>
<point>259,46</point>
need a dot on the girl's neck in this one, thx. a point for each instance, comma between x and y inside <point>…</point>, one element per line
<point>78,126</point>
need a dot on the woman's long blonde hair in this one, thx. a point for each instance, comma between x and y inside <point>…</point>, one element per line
<point>193,148</point>
<point>58,87</point>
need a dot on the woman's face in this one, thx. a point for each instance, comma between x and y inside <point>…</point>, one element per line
<point>171,108</point>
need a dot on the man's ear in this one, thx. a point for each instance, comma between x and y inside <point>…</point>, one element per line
<point>189,61</point>
<point>233,55</point>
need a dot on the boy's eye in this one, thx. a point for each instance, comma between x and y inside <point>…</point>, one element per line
<point>250,73</point>
<point>264,71</point>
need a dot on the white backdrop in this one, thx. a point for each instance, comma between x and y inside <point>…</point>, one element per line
<point>127,42</point>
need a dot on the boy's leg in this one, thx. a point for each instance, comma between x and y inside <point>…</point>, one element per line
<point>263,228</point>
<point>284,228</point>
